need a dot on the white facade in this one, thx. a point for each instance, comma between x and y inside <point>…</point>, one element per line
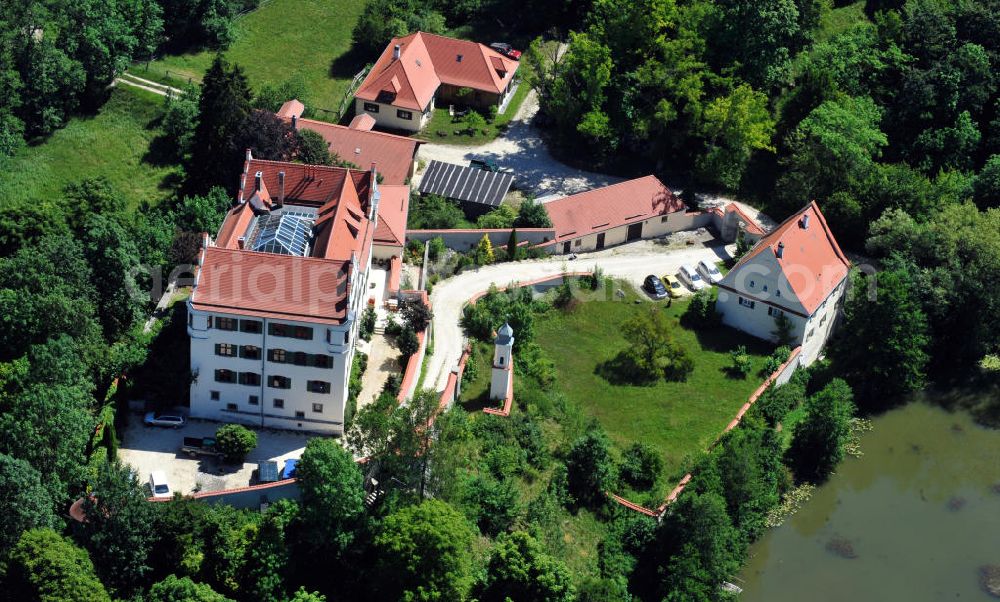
<point>503,368</point>
<point>754,294</point>
<point>391,117</point>
<point>653,227</point>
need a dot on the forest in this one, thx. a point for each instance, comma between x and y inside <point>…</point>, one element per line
<point>889,118</point>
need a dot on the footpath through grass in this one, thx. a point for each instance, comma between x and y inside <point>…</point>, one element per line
<point>283,40</point>
<point>679,419</point>
<point>115,144</point>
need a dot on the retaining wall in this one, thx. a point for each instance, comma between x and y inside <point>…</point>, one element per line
<point>464,240</point>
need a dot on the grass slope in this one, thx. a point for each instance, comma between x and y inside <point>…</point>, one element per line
<point>115,144</point>
<point>283,40</point>
<point>677,418</point>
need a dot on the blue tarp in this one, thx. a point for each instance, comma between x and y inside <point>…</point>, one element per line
<point>290,464</point>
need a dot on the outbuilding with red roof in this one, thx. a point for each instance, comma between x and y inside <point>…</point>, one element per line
<point>416,71</point>
<point>798,272</point>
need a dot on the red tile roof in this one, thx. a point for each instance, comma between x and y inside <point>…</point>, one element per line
<point>392,155</point>
<point>811,259</point>
<point>612,206</point>
<point>363,122</point>
<point>272,285</point>
<point>291,108</point>
<point>393,207</point>
<point>426,61</point>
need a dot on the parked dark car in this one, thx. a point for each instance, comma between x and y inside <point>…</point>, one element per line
<point>654,286</point>
<point>507,50</point>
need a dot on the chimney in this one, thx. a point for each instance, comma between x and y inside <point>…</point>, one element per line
<point>258,180</point>
<point>780,251</point>
<point>295,122</point>
<point>241,241</point>
<point>805,222</point>
<point>395,52</point>
<point>281,188</point>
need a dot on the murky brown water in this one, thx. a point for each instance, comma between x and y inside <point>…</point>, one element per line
<point>912,521</point>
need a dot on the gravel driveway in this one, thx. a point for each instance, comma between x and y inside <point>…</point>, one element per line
<point>633,262</point>
<point>521,149</point>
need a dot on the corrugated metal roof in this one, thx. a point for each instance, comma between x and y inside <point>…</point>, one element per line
<point>463,183</point>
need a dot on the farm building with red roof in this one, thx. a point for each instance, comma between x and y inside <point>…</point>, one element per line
<point>798,272</point>
<point>416,71</point>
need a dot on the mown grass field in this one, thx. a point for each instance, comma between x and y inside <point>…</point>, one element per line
<point>115,144</point>
<point>679,419</point>
<point>283,40</point>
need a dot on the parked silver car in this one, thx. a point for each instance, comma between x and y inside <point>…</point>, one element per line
<point>168,420</point>
<point>709,272</point>
<point>690,277</point>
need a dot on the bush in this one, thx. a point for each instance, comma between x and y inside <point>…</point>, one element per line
<point>590,470</point>
<point>367,327</point>
<point>775,360</point>
<point>407,342</point>
<point>436,248</point>
<point>417,315</point>
<point>641,465</point>
<point>701,314</point>
<point>494,503</point>
<point>235,441</point>
<point>742,364</point>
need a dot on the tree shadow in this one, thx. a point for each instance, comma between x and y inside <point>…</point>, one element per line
<point>622,370</point>
<point>348,64</point>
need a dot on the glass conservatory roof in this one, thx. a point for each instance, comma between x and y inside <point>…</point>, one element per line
<point>287,232</point>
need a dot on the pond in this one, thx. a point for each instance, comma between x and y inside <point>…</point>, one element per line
<point>913,520</point>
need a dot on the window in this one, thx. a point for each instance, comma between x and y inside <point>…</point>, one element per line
<point>225,323</point>
<point>250,378</point>
<point>777,293</point>
<point>214,395</point>
<point>765,288</point>
<point>225,376</point>
<point>300,414</point>
<point>322,361</point>
<point>577,242</point>
<point>747,303</point>
<point>251,326</point>
<point>347,337</point>
<point>279,403</point>
<point>232,407</point>
<point>752,284</point>
<point>823,319</point>
<point>774,312</point>
<point>664,219</point>
<point>300,358</point>
<point>279,382</point>
<point>371,107</point>
<point>225,349</point>
<point>303,332</point>
<point>278,330</point>
<point>407,115</point>
<point>276,355</point>
<point>318,386</point>
<point>809,334</point>
<point>318,408</point>
<point>254,400</point>
<point>250,352</point>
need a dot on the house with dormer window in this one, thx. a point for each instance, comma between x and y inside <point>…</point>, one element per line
<point>798,272</point>
<point>417,71</point>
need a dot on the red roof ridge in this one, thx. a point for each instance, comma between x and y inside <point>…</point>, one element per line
<point>276,256</point>
<point>416,141</point>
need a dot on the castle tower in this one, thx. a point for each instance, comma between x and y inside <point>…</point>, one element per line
<point>503,363</point>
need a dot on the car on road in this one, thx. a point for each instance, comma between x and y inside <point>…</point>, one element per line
<point>710,272</point>
<point>168,420</point>
<point>690,277</point>
<point>654,287</point>
<point>674,287</point>
<point>158,486</point>
<point>507,50</point>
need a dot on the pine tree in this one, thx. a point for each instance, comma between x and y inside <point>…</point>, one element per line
<point>512,245</point>
<point>222,108</point>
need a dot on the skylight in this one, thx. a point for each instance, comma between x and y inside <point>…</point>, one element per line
<point>285,232</point>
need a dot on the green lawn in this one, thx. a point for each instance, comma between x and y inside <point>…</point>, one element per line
<point>451,130</point>
<point>678,418</point>
<point>283,40</point>
<point>115,144</point>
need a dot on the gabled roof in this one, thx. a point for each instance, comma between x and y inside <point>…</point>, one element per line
<point>612,206</point>
<point>811,261</point>
<point>392,155</point>
<point>272,285</point>
<point>428,60</point>
<point>393,207</point>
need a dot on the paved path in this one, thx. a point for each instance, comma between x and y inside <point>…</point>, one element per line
<point>521,148</point>
<point>382,363</point>
<point>632,262</point>
<point>127,79</point>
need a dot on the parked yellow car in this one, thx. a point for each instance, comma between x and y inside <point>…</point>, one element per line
<point>674,287</point>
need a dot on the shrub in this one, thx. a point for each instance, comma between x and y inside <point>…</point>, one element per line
<point>505,461</point>
<point>742,363</point>
<point>407,342</point>
<point>641,465</point>
<point>436,248</point>
<point>235,441</point>
<point>367,327</point>
<point>392,327</point>
<point>590,469</point>
<point>494,503</point>
<point>417,315</point>
<point>775,360</point>
<point>701,314</point>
